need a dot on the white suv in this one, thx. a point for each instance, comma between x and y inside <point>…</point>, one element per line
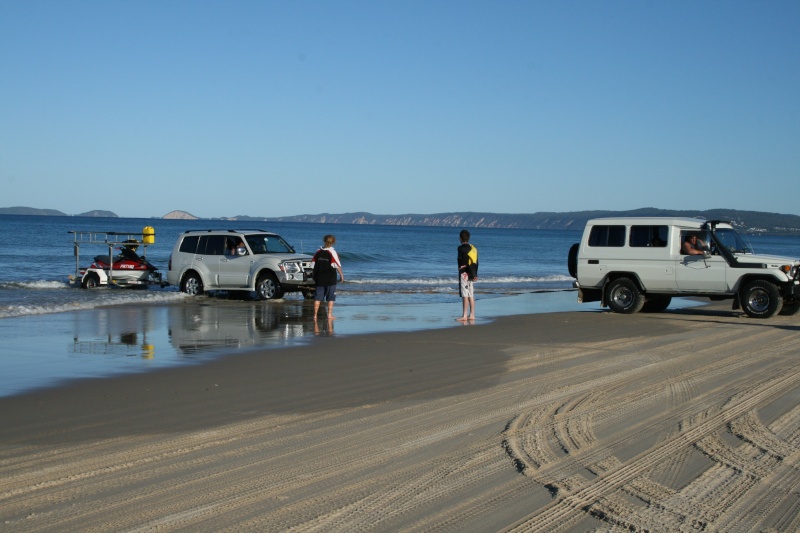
<point>631,264</point>
<point>245,260</point>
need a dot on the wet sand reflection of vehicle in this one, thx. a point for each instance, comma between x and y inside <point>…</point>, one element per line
<point>196,328</point>
<point>116,331</point>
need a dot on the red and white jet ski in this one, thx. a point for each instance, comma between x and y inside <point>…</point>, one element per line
<point>126,269</point>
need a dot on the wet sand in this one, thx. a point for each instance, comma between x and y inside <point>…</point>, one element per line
<point>680,421</point>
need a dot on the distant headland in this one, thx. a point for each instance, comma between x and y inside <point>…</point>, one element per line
<point>750,221</point>
<point>52,212</point>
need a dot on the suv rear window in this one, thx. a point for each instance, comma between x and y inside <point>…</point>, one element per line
<point>607,236</point>
<point>189,244</point>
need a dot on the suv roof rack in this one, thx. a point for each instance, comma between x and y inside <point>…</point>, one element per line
<point>228,230</point>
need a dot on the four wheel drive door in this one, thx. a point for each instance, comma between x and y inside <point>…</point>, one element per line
<point>234,270</point>
<point>698,273</point>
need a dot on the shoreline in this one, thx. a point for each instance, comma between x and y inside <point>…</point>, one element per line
<point>544,421</point>
<point>143,337</point>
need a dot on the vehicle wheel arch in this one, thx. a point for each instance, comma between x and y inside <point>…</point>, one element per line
<point>760,297</point>
<point>187,275</point>
<point>614,276</point>
<point>749,278</point>
<point>624,294</point>
<point>267,273</point>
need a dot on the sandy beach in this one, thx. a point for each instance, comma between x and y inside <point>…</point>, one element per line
<point>687,420</point>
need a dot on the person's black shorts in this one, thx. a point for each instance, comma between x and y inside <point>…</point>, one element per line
<point>325,293</point>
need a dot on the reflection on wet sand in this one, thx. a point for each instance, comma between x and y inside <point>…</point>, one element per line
<point>122,339</point>
<point>194,328</point>
<point>223,325</point>
<point>324,327</point>
<point>114,340</point>
<point>115,331</point>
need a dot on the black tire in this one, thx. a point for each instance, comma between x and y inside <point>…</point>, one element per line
<point>789,309</point>
<point>268,287</point>
<point>761,299</point>
<point>572,260</point>
<point>192,284</point>
<point>657,303</point>
<point>90,281</point>
<point>623,296</point>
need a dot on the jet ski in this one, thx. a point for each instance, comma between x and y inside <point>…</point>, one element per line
<point>126,268</point>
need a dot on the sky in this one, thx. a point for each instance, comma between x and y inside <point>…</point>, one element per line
<point>279,108</point>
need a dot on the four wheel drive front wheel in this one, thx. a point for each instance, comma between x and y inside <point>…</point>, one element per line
<point>623,296</point>
<point>268,287</point>
<point>761,299</point>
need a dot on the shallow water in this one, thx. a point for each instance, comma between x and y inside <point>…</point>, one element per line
<point>45,350</point>
<point>398,279</point>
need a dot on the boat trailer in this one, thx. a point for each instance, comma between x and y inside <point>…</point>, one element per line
<point>112,239</point>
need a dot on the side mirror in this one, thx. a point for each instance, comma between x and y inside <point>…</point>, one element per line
<point>241,250</point>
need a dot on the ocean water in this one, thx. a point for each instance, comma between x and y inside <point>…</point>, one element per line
<point>399,278</point>
<point>382,264</point>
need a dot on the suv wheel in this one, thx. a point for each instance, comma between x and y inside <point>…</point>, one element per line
<point>267,287</point>
<point>624,296</point>
<point>761,299</point>
<point>192,285</point>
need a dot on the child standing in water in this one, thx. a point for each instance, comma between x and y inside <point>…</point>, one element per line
<point>326,265</point>
<point>467,274</point>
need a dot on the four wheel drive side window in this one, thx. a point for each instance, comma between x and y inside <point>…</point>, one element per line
<point>189,244</point>
<point>211,245</point>
<point>649,236</point>
<point>607,236</point>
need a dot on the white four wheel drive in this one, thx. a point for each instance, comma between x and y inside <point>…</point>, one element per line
<point>239,261</point>
<point>633,264</point>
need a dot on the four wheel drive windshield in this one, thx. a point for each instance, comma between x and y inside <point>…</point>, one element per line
<point>732,241</point>
<point>268,244</point>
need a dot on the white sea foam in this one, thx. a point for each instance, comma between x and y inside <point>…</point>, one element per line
<point>117,299</point>
<point>35,285</point>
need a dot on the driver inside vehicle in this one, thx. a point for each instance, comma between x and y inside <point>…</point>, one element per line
<point>693,245</point>
<point>236,247</point>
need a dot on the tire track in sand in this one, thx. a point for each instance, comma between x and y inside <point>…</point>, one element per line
<point>574,497</point>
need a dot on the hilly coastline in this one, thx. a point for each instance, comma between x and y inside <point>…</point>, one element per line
<point>18,210</point>
<point>750,221</point>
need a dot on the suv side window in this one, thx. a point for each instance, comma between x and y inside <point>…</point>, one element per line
<point>648,236</point>
<point>607,236</point>
<point>211,245</point>
<point>189,244</point>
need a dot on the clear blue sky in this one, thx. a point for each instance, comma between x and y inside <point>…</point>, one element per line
<point>272,108</point>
